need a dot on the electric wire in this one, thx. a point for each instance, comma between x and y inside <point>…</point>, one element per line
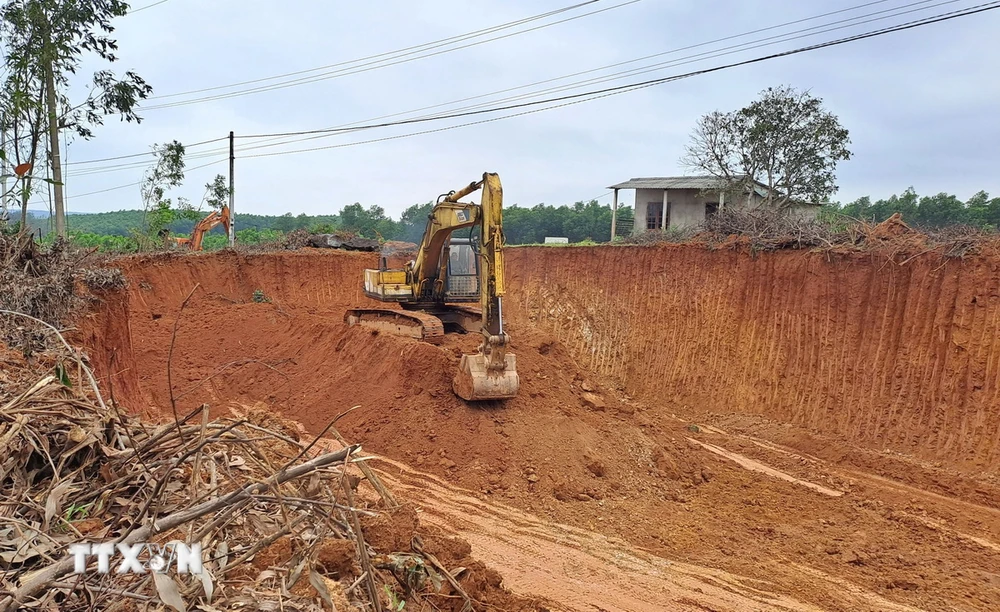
<point>611,91</point>
<point>602,93</point>
<point>606,78</point>
<point>148,6</point>
<point>137,183</point>
<point>372,65</point>
<point>146,154</point>
<point>592,70</point>
<point>342,127</point>
<point>423,46</point>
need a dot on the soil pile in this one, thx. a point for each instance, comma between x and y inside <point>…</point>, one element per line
<point>278,518</point>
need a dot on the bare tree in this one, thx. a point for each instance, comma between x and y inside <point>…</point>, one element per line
<point>785,141</point>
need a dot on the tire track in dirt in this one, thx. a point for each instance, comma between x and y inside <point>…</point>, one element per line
<point>584,570</point>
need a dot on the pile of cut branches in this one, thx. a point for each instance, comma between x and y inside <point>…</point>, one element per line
<point>75,470</point>
<point>768,229</point>
<point>42,282</point>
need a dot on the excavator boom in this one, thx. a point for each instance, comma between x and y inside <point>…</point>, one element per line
<point>433,286</point>
<point>491,373</point>
<point>204,226</point>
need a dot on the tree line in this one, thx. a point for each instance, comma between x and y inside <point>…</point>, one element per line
<point>580,222</point>
<point>934,211</point>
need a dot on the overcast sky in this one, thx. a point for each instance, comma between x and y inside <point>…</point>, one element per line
<point>921,105</point>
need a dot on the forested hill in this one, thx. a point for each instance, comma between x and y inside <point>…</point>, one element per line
<point>579,222</point>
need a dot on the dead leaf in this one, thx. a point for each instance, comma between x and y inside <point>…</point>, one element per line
<point>222,555</point>
<point>296,572</point>
<point>207,584</point>
<point>316,580</point>
<point>169,592</point>
<point>265,575</point>
<point>53,503</point>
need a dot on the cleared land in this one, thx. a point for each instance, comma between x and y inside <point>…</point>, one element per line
<point>696,429</point>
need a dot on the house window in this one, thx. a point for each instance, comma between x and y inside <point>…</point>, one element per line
<point>654,215</point>
<point>711,208</point>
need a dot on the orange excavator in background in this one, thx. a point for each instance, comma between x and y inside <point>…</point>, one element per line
<point>213,219</point>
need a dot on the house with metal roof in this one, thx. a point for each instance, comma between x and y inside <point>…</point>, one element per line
<point>669,202</point>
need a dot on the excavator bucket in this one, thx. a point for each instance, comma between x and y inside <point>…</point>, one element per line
<point>476,382</point>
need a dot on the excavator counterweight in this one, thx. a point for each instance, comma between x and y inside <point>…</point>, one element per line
<point>449,272</point>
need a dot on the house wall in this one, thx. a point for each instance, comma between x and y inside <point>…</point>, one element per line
<point>741,201</point>
<point>807,211</point>
<point>642,196</point>
<point>687,208</point>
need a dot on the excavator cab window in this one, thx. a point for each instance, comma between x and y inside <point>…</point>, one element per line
<point>463,269</point>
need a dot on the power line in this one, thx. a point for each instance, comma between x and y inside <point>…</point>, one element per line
<point>326,132</point>
<point>641,70</point>
<point>559,78</point>
<point>596,94</point>
<point>607,92</point>
<point>135,165</point>
<point>148,6</point>
<point>136,184</point>
<point>423,46</point>
<point>373,65</point>
<point>739,48</point>
<point>147,153</point>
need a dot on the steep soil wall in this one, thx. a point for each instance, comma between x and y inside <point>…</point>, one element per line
<point>901,354</point>
<point>129,338</point>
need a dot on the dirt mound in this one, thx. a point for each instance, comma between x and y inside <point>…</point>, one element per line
<point>221,484</point>
<point>402,530</point>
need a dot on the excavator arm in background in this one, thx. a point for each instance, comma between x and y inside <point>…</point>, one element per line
<point>431,291</point>
<point>214,218</point>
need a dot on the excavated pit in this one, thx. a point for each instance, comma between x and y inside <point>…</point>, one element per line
<point>788,431</point>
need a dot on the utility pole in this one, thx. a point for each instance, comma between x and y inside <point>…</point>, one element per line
<point>232,200</point>
<point>54,157</point>
<point>614,216</point>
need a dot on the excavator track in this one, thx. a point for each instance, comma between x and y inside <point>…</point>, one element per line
<point>408,323</point>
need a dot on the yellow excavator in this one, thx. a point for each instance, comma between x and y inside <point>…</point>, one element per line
<point>451,271</point>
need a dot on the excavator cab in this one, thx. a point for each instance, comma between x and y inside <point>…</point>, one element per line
<point>462,281</point>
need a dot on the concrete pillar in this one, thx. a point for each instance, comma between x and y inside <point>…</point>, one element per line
<point>614,216</point>
<point>666,210</point>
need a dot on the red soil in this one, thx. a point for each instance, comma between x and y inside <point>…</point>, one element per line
<point>716,348</point>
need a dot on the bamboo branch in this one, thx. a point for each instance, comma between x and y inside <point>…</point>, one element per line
<point>44,578</point>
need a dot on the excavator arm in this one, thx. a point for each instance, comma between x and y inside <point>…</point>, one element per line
<point>491,373</point>
<point>204,226</point>
<point>207,224</point>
